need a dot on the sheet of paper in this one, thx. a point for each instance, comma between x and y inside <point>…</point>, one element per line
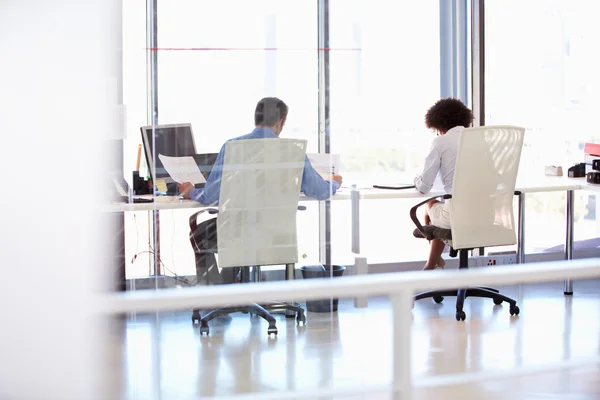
<point>325,164</point>
<point>182,169</point>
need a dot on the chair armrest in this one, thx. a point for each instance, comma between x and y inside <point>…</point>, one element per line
<point>194,217</point>
<point>413,214</point>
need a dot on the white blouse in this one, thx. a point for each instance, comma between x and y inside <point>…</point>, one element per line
<point>441,159</point>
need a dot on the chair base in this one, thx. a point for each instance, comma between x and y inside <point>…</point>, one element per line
<point>461,294</point>
<point>262,310</point>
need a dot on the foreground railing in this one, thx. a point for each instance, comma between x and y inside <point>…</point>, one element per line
<point>400,287</point>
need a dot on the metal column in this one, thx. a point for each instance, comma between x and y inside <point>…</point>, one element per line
<point>152,65</point>
<point>477,67</point>
<point>461,84</point>
<point>324,134</point>
<point>478,61</point>
<point>569,211</point>
<point>454,56</point>
<point>446,49</point>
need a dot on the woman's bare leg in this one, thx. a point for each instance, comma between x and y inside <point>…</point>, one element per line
<point>436,247</point>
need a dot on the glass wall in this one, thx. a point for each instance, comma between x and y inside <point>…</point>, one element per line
<point>385,74</point>
<point>212,70</point>
<point>136,100</point>
<point>218,58</point>
<point>540,75</point>
<point>214,64</point>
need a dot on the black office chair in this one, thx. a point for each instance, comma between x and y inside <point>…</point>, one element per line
<point>482,205</point>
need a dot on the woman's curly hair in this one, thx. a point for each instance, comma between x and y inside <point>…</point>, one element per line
<point>447,113</point>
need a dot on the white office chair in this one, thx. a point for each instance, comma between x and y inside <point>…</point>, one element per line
<point>256,223</point>
<point>480,205</point>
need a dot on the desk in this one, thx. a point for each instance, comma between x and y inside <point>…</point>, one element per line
<point>524,185</point>
<point>162,203</point>
<point>175,203</point>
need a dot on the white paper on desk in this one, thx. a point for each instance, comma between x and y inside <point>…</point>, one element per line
<point>182,169</point>
<point>325,164</point>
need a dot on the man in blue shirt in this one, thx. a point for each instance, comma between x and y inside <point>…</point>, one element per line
<point>269,119</point>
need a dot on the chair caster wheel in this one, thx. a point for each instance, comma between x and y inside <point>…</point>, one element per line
<point>203,330</point>
<point>301,318</point>
<point>272,330</point>
<point>438,299</point>
<point>497,302</point>
<point>196,317</point>
<point>461,316</point>
<point>514,310</point>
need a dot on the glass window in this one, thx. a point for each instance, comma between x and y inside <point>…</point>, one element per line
<point>216,59</point>
<point>135,92</point>
<point>135,89</point>
<point>540,74</point>
<point>385,60</point>
<point>212,71</point>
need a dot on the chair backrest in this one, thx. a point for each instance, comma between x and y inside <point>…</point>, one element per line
<point>481,208</point>
<point>258,203</point>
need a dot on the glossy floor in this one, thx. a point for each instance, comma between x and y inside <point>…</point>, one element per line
<point>165,357</point>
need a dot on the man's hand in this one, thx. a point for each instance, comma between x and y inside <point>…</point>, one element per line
<point>185,189</point>
<point>337,178</point>
<point>427,219</point>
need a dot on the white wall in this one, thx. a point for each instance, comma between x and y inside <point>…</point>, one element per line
<point>59,84</point>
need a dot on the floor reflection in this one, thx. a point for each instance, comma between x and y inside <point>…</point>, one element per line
<point>165,357</point>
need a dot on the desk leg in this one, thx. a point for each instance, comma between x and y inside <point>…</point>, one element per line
<point>355,218</point>
<point>290,275</point>
<point>290,271</point>
<point>156,239</point>
<point>569,211</point>
<point>521,230</point>
<point>117,250</point>
<point>361,268</point>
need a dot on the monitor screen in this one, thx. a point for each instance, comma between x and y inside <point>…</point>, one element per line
<point>170,140</point>
<point>205,164</point>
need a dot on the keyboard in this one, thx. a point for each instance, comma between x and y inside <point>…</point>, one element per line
<point>137,200</point>
<point>140,200</point>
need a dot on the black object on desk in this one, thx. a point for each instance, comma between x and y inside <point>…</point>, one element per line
<point>394,187</point>
<point>577,171</point>
<point>140,185</point>
<point>593,177</point>
<point>136,200</point>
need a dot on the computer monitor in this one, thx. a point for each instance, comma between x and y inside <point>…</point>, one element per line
<point>175,140</point>
<point>205,164</point>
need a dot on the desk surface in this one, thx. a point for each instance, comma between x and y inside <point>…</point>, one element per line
<point>542,184</point>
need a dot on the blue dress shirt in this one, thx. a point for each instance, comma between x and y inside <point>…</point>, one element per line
<point>313,185</point>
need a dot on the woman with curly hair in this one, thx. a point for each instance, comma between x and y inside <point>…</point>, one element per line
<point>447,117</point>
